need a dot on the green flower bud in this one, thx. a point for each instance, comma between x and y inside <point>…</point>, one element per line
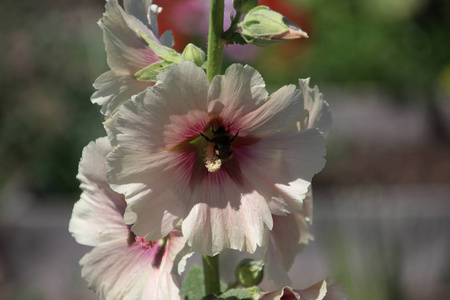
<point>194,54</point>
<point>265,27</point>
<point>243,6</point>
<point>250,272</point>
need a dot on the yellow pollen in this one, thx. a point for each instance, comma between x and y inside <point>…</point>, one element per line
<point>213,165</point>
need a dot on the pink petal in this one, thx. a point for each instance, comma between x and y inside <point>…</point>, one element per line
<point>120,270</point>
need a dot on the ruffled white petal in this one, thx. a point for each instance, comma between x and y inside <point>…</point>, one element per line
<point>97,216</point>
<point>316,113</point>
<point>274,114</point>
<point>286,239</point>
<point>289,236</point>
<point>140,10</point>
<point>114,89</point>
<point>238,92</point>
<point>286,161</point>
<point>225,215</point>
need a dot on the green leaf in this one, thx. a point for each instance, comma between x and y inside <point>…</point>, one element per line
<point>193,287</point>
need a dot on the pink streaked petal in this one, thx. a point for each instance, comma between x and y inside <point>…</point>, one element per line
<point>155,207</point>
<point>114,89</point>
<point>225,215</point>
<point>156,215</point>
<point>97,216</point>
<point>273,115</point>
<point>238,92</point>
<point>122,270</point>
<point>159,118</point>
<point>126,51</point>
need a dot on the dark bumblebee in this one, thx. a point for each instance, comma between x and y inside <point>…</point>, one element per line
<point>221,142</point>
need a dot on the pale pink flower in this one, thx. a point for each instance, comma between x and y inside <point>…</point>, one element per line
<point>121,265</point>
<point>322,290</point>
<point>126,50</point>
<point>172,167</point>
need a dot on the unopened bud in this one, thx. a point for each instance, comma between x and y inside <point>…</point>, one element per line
<point>250,272</point>
<point>194,54</point>
<point>265,27</point>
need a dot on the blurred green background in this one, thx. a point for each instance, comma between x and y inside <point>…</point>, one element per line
<point>382,201</point>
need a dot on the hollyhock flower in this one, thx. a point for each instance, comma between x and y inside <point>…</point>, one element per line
<point>323,290</point>
<point>126,50</point>
<point>212,156</point>
<point>121,265</point>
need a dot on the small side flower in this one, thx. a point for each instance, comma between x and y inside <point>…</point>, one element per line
<point>127,52</point>
<point>121,265</point>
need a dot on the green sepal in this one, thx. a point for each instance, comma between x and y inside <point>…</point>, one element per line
<point>163,52</point>
<point>265,27</point>
<point>236,38</point>
<point>150,72</point>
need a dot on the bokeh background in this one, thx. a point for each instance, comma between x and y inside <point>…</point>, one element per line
<point>382,204</point>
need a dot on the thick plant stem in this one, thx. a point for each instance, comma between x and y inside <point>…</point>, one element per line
<point>211,272</point>
<point>215,46</point>
<point>213,68</point>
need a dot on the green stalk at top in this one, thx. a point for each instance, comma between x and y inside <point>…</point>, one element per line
<point>213,68</point>
<point>215,46</point>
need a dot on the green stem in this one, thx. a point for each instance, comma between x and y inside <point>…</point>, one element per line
<point>211,272</point>
<point>233,26</point>
<point>213,68</point>
<point>215,46</point>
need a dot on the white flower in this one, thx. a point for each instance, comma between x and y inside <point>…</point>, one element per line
<point>126,50</point>
<point>121,265</point>
<point>213,156</point>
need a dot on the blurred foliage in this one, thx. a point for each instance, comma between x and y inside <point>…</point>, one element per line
<point>45,113</point>
<point>400,45</point>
